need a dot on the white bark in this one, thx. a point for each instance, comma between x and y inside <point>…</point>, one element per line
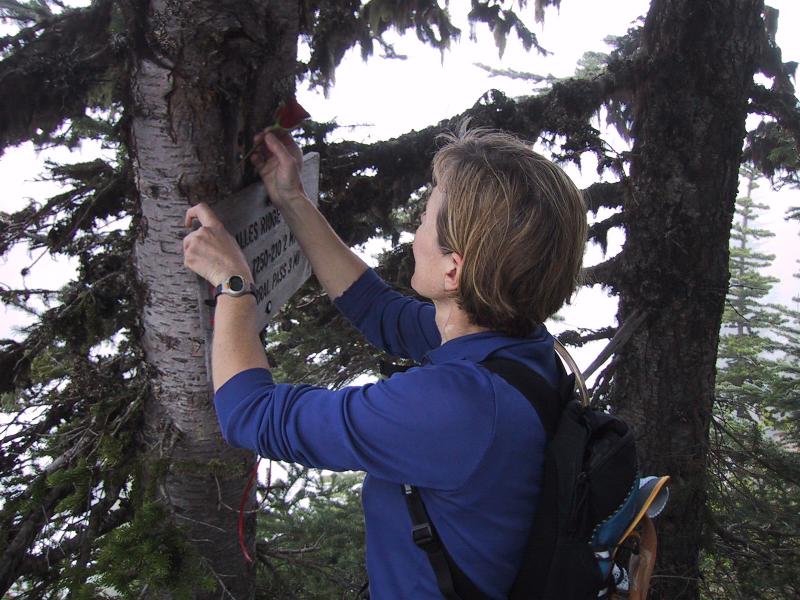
<point>183,141</point>
<point>180,422</point>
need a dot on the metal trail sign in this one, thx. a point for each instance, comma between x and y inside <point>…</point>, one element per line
<point>278,265</point>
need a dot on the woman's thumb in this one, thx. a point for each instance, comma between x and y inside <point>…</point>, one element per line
<point>276,147</point>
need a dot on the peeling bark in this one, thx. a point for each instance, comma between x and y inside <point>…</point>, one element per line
<point>200,89</point>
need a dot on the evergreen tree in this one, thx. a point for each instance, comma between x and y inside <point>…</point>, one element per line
<point>787,403</point>
<point>113,472</point>
<point>745,311</point>
<point>313,536</point>
<point>754,529</point>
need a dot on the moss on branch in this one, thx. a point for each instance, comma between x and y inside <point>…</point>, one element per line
<point>39,93</point>
<point>363,183</point>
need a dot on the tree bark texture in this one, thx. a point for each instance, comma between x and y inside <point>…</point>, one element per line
<point>690,108</point>
<point>208,74</point>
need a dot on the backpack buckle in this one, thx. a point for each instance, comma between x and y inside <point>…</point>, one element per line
<point>422,534</point>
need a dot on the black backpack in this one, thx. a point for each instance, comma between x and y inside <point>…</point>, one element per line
<point>590,505</point>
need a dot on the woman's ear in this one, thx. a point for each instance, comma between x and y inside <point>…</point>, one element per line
<point>452,275</point>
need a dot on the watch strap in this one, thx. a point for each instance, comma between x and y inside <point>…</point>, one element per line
<point>224,288</point>
<point>251,289</point>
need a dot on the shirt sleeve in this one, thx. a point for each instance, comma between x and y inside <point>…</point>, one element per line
<point>397,324</point>
<point>429,426</point>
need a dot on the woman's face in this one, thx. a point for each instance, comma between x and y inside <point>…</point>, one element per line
<point>429,260</point>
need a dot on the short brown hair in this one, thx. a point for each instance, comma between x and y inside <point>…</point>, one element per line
<point>518,222</point>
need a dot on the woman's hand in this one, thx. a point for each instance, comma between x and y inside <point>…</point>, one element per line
<point>211,251</point>
<point>278,160</point>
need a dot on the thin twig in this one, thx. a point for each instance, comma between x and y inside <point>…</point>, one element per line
<point>200,523</point>
<point>623,334</point>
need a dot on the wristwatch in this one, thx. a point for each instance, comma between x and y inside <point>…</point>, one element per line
<point>234,286</point>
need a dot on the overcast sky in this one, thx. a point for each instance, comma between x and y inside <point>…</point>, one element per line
<point>389,97</point>
<point>385,98</point>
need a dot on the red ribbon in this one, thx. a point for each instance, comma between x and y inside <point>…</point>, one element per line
<point>245,495</point>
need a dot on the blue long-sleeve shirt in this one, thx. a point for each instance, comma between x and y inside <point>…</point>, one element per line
<point>469,441</point>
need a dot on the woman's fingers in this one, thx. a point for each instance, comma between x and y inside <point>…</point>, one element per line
<point>257,158</point>
<point>278,161</point>
<point>213,253</point>
<point>278,148</point>
<point>203,213</point>
<point>291,146</point>
<point>284,135</point>
<point>281,145</point>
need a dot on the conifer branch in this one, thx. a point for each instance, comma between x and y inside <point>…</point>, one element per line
<point>745,546</point>
<point>604,273</point>
<point>565,109</point>
<point>299,556</point>
<point>604,195</point>
<point>621,337</point>
<point>38,93</point>
<point>24,535</point>
<point>599,231</point>
<point>515,74</point>
<point>402,165</point>
<point>44,564</point>
<point>15,360</point>
<point>770,60</point>
<point>602,385</point>
<point>780,104</point>
<point>788,475</point>
<point>24,13</point>
<point>581,337</point>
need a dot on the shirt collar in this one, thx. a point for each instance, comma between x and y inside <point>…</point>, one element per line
<point>476,347</point>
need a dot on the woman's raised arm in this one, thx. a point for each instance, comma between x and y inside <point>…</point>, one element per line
<point>278,161</point>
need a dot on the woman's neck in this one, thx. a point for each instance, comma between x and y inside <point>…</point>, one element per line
<point>453,322</point>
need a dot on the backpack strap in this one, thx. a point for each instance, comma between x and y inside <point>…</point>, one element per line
<point>449,577</point>
<point>548,403</point>
<point>546,400</point>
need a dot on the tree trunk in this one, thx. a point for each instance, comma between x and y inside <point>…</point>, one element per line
<point>690,108</point>
<point>203,84</point>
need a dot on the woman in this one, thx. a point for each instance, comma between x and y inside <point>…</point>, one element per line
<point>497,252</point>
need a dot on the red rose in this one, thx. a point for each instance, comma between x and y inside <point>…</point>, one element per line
<point>290,114</point>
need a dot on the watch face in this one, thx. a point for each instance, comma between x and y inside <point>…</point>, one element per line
<point>235,283</point>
